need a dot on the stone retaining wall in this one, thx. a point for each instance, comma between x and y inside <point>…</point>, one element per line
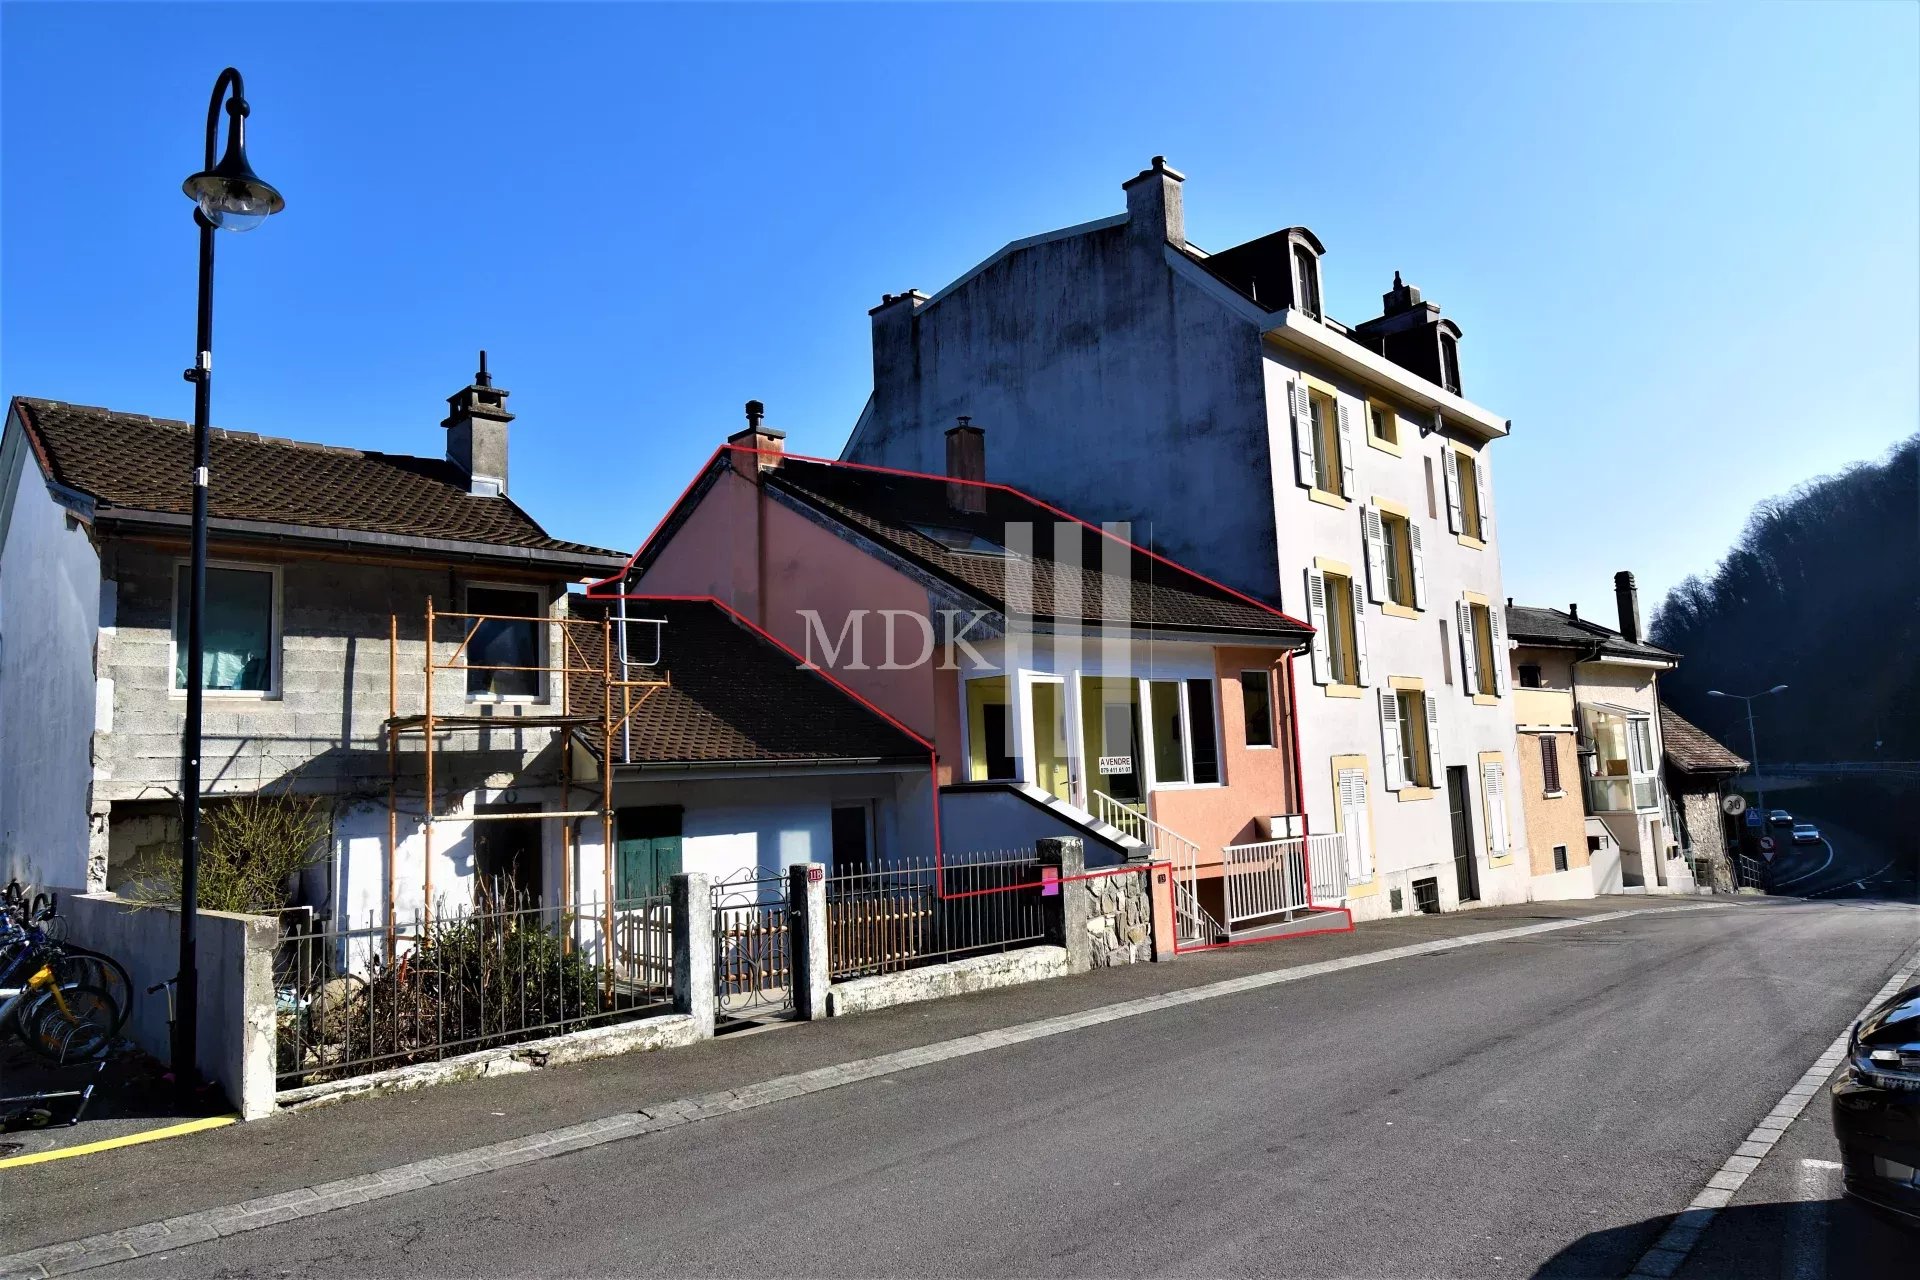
<point>1119,918</point>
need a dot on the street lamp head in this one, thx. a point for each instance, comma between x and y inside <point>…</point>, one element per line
<point>1715,693</point>
<point>231,195</point>
<point>1779,688</point>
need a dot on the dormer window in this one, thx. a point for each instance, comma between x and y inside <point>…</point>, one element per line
<point>1306,275</point>
<point>1449,362</point>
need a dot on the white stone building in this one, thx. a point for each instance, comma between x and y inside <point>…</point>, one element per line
<point>1334,470</point>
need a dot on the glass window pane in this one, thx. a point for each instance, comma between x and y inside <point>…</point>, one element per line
<point>1202,748</point>
<point>1169,758</point>
<point>500,642</point>
<point>1256,701</point>
<point>236,633</point>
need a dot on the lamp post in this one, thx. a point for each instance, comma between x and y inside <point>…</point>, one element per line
<point>227,196</point>
<point>1753,740</point>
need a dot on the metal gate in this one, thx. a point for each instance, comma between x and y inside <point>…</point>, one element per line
<point>752,946</point>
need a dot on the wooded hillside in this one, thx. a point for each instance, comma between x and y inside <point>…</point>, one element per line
<point>1822,593</point>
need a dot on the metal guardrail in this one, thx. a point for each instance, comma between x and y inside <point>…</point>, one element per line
<point>355,1000</point>
<point>1273,877</point>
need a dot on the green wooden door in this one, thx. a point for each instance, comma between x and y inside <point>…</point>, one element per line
<point>646,851</point>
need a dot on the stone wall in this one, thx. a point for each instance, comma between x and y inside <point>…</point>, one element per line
<point>1119,917</point>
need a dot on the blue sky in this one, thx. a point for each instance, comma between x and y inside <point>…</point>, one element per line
<point>1683,243</point>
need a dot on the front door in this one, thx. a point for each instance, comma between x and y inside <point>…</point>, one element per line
<point>647,852</point>
<point>1048,701</point>
<point>506,858</point>
<point>1465,867</point>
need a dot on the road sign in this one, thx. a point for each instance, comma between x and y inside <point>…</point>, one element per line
<point>1734,804</point>
<point>1766,847</point>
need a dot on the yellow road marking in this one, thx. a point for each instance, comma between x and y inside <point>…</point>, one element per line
<point>131,1139</point>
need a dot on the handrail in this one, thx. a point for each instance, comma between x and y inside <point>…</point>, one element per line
<point>1164,842</point>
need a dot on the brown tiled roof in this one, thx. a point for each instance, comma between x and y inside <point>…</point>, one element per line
<point>1068,577</point>
<point>131,463</point>
<point>1690,750</point>
<point>731,695</point>
<point>1557,629</point>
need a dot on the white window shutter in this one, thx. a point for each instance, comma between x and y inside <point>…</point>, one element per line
<point>1390,739</point>
<point>1493,789</point>
<point>1362,827</point>
<point>1303,433</point>
<point>1450,472</point>
<point>1345,414</point>
<point>1497,624</point>
<point>1419,565</point>
<point>1374,535</point>
<point>1353,825</point>
<point>1433,741</point>
<point>1486,503</point>
<point>1469,649</point>
<point>1360,636</point>
<point>1317,616</point>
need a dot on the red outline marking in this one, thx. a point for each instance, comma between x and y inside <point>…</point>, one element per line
<point>595,591</point>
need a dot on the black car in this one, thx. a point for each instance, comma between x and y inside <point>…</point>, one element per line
<point>1876,1107</point>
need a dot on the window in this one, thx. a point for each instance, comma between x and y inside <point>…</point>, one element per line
<point>240,642</point>
<point>1624,760</point>
<point>1450,362</point>
<point>1530,675</point>
<point>1433,510</point>
<point>1326,442</point>
<point>1184,745</point>
<point>1467,488</point>
<point>1483,649</point>
<point>1306,270</point>
<point>1446,654</point>
<point>963,541</point>
<point>1399,555</point>
<point>1383,424</point>
<point>990,755</point>
<point>1550,765</point>
<point>1559,857</point>
<point>503,646</point>
<point>1343,655</point>
<point>1256,702</point>
<point>1415,749</point>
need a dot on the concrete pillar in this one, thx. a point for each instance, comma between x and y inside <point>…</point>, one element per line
<point>1066,908</point>
<point>1160,900</point>
<point>807,900</point>
<point>692,895</point>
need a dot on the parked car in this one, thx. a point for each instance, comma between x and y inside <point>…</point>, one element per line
<point>1805,833</point>
<point>1876,1106</point>
<point>1781,818</point>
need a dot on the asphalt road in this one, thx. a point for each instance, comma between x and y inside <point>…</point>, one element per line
<point>1847,863</point>
<point>1534,1106</point>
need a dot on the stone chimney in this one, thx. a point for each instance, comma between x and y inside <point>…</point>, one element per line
<point>1402,297</point>
<point>1154,210</point>
<point>1627,596</point>
<point>768,444</point>
<point>967,460</point>
<point>476,426</point>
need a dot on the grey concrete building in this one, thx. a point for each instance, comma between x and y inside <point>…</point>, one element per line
<point>1334,470</point>
<point>322,564</point>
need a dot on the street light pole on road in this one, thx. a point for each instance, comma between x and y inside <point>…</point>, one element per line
<point>227,196</point>
<point>1753,740</point>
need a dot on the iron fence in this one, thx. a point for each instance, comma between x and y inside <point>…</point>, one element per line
<point>352,1000</point>
<point>903,913</point>
<point>752,945</point>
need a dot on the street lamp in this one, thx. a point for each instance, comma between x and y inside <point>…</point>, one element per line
<point>1753,740</point>
<point>227,196</point>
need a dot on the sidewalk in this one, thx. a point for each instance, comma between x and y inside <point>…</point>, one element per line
<point>117,1188</point>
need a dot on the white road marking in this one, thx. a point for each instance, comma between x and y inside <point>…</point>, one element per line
<point>1861,883</point>
<point>1670,1251</point>
<point>1820,1164</point>
<point>1816,871</point>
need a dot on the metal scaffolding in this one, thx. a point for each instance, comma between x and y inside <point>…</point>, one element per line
<point>611,671</point>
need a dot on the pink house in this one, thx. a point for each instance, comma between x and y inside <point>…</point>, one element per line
<point>1072,681</point>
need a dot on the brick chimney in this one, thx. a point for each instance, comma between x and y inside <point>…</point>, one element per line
<point>1627,597</point>
<point>768,443</point>
<point>967,460</point>
<point>476,426</point>
<point>1154,209</point>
